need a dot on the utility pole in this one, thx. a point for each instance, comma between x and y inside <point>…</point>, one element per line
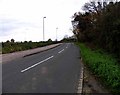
<point>43,29</point>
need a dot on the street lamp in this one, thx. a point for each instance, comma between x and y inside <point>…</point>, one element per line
<point>43,29</point>
<point>56,33</point>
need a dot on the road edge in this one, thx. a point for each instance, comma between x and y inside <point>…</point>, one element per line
<point>22,54</point>
<point>80,82</point>
<point>40,51</point>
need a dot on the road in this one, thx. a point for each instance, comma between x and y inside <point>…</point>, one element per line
<point>53,71</point>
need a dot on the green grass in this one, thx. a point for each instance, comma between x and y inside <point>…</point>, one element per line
<point>104,66</point>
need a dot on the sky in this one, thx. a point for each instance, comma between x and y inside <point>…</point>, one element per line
<point>23,19</point>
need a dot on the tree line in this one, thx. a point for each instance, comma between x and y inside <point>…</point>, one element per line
<point>99,25</point>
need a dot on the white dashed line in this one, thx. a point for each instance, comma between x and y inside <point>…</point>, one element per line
<point>36,64</point>
<point>61,51</point>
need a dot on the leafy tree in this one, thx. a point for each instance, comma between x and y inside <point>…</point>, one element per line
<point>99,25</point>
<point>49,40</point>
<point>7,41</point>
<point>12,40</point>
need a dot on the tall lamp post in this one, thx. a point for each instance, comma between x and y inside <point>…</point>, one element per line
<point>43,29</point>
<point>56,33</point>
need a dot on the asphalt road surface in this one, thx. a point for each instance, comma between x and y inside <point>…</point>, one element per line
<point>53,71</point>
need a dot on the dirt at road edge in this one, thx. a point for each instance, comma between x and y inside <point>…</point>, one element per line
<point>91,84</point>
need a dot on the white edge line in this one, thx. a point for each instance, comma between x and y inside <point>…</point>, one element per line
<point>36,64</point>
<point>61,51</point>
<point>80,84</point>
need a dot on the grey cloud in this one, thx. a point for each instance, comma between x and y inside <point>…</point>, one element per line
<point>7,25</point>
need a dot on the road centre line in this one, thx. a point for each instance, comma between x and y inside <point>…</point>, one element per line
<point>61,51</point>
<point>67,45</point>
<point>36,64</point>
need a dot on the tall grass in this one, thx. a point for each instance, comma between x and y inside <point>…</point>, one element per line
<point>103,66</point>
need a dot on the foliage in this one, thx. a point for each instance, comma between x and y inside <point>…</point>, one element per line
<point>49,40</point>
<point>104,66</point>
<point>9,47</point>
<point>99,25</point>
<point>69,39</point>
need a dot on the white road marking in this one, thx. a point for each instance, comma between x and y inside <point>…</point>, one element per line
<point>80,83</point>
<point>61,51</point>
<point>37,64</point>
<point>67,45</point>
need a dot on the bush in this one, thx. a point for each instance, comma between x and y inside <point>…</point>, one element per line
<point>9,47</point>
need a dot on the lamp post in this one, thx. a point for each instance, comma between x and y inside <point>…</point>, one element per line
<point>56,33</point>
<point>43,29</point>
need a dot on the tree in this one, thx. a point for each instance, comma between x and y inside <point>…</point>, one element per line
<point>7,41</point>
<point>100,25</point>
<point>93,7</point>
<point>12,40</point>
<point>81,25</point>
<point>49,40</point>
<point>109,26</point>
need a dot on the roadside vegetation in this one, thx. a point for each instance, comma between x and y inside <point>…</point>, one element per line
<point>12,46</point>
<point>104,66</point>
<point>98,27</point>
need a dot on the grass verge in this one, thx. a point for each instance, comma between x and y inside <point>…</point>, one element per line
<point>104,66</point>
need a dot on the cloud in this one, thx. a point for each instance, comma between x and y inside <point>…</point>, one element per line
<point>18,16</point>
<point>7,26</point>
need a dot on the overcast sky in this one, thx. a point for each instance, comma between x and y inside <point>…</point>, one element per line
<point>23,19</point>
